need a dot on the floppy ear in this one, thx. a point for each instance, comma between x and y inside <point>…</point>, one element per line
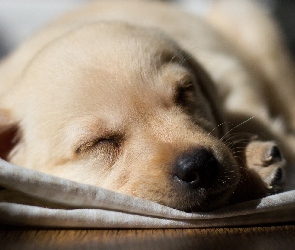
<point>209,90</point>
<point>9,134</point>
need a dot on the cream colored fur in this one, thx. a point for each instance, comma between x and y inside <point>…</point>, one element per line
<point>92,98</point>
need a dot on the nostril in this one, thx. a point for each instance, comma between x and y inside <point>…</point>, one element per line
<point>278,178</point>
<point>275,153</point>
<point>188,176</point>
<point>197,167</point>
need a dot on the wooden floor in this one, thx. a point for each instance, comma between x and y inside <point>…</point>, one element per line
<point>269,238</point>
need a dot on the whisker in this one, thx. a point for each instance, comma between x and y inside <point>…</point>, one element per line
<point>240,124</point>
<point>233,139</point>
<point>186,46</point>
<point>238,152</point>
<point>240,147</point>
<point>228,136</point>
<point>216,127</point>
<point>241,141</point>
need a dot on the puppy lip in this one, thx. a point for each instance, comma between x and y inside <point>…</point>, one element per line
<point>212,202</point>
<point>196,201</point>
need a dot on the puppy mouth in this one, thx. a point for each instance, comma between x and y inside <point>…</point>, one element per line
<point>213,201</point>
<point>205,200</point>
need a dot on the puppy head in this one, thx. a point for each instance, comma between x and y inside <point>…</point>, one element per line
<point>123,108</point>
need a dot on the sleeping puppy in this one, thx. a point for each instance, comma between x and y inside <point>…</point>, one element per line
<point>140,98</point>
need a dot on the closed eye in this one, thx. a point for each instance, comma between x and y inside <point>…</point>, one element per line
<point>102,143</point>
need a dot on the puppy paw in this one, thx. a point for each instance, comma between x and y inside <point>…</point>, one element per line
<point>266,160</point>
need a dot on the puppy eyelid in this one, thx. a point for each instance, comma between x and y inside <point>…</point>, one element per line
<point>84,147</point>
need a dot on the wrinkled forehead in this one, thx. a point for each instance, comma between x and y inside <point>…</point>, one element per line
<point>109,63</point>
<point>102,52</point>
<point>117,47</point>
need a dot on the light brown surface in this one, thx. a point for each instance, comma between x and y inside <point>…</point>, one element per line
<point>274,237</point>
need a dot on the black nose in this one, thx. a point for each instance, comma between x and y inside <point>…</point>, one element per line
<point>197,167</point>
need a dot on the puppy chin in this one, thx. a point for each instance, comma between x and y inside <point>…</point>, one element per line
<point>203,200</point>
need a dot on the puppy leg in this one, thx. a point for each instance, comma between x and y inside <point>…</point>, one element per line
<point>265,158</point>
<point>262,171</point>
<point>256,36</point>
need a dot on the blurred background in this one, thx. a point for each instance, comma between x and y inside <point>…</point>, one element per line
<point>21,18</point>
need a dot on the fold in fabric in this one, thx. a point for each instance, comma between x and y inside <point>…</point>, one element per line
<point>31,198</point>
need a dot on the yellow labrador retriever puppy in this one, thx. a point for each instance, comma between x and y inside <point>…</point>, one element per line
<point>147,100</point>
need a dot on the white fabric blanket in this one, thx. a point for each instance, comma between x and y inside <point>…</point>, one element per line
<point>32,198</point>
